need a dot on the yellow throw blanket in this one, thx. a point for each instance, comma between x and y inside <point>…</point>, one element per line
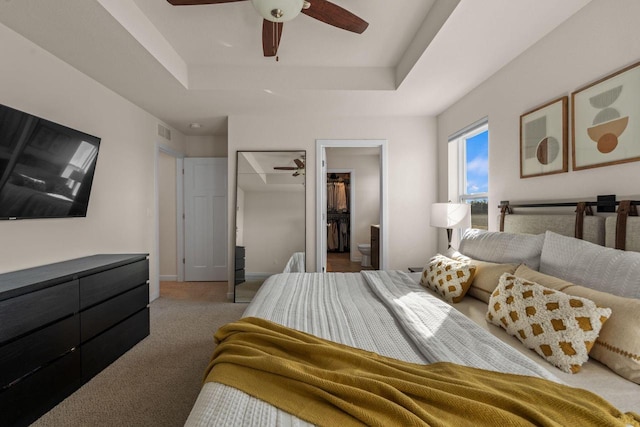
<point>331,384</point>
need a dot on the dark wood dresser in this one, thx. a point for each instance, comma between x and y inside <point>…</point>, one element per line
<point>375,247</point>
<point>239,265</point>
<point>62,323</point>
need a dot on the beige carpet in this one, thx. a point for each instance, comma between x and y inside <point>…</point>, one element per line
<point>245,291</point>
<point>156,382</point>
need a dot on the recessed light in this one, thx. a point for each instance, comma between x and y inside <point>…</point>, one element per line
<point>195,125</point>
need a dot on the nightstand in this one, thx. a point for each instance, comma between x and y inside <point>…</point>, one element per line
<point>415,269</point>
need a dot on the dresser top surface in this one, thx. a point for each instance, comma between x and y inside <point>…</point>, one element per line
<point>31,279</point>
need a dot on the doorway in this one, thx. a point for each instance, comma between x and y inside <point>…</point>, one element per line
<point>340,220</point>
<point>355,148</point>
<point>169,236</point>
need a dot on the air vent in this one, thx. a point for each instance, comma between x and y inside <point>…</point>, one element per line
<point>164,132</point>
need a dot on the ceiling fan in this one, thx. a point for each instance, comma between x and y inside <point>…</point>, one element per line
<point>298,168</point>
<point>275,12</point>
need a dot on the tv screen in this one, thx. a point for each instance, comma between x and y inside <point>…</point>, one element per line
<point>46,169</point>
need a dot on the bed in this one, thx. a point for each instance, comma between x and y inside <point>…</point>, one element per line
<point>295,264</point>
<point>393,314</point>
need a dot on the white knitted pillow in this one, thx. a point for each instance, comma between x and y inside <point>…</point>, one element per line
<point>559,327</point>
<point>502,248</point>
<point>585,264</point>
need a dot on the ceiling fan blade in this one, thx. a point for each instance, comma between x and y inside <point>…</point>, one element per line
<point>299,163</point>
<point>196,2</point>
<point>285,168</point>
<point>271,35</point>
<point>333,14</point>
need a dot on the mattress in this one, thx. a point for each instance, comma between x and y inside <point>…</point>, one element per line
<point>344,308</point>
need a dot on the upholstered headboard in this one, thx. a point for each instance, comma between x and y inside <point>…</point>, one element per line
<point>632,238</point>
<point>620,229</point>
<point>593,226</point>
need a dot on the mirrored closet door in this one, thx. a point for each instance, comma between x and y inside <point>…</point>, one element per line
<point>270,217</point>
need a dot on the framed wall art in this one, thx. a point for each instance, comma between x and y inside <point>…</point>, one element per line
<point>605,120</point>
<point>544,140</point>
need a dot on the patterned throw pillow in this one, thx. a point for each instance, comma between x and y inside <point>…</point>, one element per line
<point>618,345</point>
<point>559,327</point>
<point>448,277</point>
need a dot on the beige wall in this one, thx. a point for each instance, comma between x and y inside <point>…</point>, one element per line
<point>167,214</point>
<point>366,188</point>
<point>412,171</point>
<point>273,229</point>
<point>206,146</point>
<point>122,212</point>
<point>599,39</point>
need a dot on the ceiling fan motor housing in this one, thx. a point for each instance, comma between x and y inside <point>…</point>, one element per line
<point>278,10</point>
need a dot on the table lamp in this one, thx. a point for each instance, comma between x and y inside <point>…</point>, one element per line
<point>450,216</point>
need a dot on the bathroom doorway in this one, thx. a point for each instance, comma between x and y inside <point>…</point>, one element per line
<point>352,178</point>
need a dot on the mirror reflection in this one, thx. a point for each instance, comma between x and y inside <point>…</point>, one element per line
<point>270,217</point>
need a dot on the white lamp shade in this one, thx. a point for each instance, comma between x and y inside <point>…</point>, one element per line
<point>451,215</point>
<point>271,9</point>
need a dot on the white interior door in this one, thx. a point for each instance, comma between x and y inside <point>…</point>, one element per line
<point>205,191</point>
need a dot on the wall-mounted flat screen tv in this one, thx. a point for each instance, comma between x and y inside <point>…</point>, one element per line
<point>46,169</point>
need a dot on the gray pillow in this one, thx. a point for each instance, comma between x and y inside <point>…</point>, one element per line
<point>503,248</point>
<point>604,269</point>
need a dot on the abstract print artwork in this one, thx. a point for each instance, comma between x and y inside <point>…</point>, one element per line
<point>543,139</point>
<point>606,120</point>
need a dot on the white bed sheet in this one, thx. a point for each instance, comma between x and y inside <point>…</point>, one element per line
<point>332,314</point>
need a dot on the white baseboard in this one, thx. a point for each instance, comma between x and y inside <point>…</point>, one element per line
<point>169,278</point>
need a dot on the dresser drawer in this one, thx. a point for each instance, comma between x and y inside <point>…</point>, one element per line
<point>25,313</point>
<point>20,357</point>
<point>239,263</point>
<point>101,317</point>
<point>239,252</point>
<point>99,352</point>
<point>101,286</point>
<point>36,394</point>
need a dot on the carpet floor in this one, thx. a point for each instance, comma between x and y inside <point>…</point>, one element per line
<point>157,381</point>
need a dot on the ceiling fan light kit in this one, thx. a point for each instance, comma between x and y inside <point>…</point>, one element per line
<point>275,12</point>
<point>278,10</point>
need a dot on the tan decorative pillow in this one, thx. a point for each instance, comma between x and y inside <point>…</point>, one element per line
<point>448,277</point>
<point>487,277</point>
<point>618,345</point>
<point>559,327</point>
<point>545,280</point>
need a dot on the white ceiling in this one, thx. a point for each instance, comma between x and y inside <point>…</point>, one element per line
<point>202,64</point>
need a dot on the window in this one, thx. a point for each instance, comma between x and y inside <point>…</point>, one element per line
<point>469,148</point>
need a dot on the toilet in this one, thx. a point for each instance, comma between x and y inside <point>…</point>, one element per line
<point>365,250</point>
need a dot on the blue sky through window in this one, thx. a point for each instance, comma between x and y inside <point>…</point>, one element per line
<point>477,163</point>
